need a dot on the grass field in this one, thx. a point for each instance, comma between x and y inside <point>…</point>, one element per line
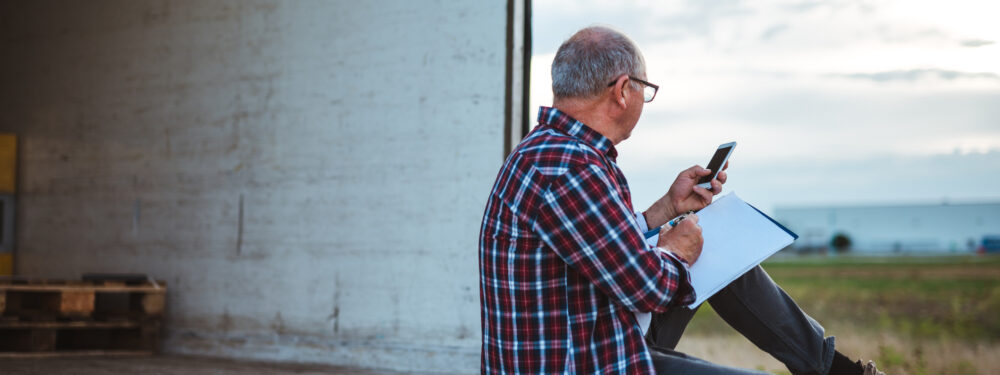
<point>913,315</point>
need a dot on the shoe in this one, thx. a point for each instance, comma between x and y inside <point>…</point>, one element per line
<point>870,369</point>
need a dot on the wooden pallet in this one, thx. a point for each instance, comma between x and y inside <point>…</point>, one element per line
<point>75,338</point>
<point>45,318</point>
<point>44,300</point>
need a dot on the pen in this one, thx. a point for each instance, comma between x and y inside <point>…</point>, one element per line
<point>671,224</point>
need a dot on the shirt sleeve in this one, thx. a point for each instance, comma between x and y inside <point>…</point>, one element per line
<point>686,289</point>
<point>584,219</point>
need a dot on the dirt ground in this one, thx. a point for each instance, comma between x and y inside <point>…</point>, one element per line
<point>167,365</point>
<point>952,358</point>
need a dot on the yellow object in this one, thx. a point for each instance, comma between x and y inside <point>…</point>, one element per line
<point>8,163</point>
<point>8,185</point>
<point>6,264</point>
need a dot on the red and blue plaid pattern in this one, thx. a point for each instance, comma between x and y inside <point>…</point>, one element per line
<point>562,260</point>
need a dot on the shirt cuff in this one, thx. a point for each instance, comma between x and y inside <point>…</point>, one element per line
<point>639,217</point>
<point>644,227</point>
<point>685,294</point>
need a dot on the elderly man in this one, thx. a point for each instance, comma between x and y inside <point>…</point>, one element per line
<point>567,282</point>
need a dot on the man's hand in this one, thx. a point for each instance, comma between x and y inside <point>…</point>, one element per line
<point>684,239</point>
<point>684,195</point>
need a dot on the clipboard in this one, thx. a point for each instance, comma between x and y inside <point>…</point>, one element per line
<point>738,237</point>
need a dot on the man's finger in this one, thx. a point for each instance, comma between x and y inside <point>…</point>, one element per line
<point>706,196</point>
<point>688,224</point>
<point>724,167</point>
<point>697,171</point>
<point>722,176</point>
<point>716,187</point>
<point>692,217</point>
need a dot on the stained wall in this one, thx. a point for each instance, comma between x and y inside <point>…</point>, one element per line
<point>307,176</point>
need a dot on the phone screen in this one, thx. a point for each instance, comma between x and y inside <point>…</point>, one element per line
<point>716,163</point>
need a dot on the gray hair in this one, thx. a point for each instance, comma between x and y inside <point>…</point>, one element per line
<point>588,60</point>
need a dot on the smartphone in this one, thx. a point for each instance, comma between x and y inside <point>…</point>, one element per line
<point>716,164</point>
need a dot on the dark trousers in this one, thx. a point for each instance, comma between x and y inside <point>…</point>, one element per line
<point>759,310</point>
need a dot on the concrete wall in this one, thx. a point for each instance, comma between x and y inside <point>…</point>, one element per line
<point>308,176</point>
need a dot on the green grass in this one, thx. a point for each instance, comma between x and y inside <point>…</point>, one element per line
<point>939,298</point>
<point>912,315</point>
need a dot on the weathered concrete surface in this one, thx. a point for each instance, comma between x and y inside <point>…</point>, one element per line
<point>308,176</point>
<point>169,365</point>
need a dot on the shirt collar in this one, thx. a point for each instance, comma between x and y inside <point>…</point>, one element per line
<point>576,129</point>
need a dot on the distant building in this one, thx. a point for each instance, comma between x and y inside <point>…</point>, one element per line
<point>931,228</point>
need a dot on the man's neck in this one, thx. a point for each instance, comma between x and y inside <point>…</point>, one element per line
<point>591,113</point>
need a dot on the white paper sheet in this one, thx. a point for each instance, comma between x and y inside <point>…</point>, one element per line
<point>737,238</point>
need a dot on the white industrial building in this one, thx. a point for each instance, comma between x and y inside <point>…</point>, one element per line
<point>308,177</point>
<point>910,229</point>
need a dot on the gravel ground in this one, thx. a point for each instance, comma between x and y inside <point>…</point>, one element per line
<point>167,365</point>
<point>898,355</point>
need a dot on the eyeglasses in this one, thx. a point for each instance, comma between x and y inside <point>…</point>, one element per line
<point>648,90</point>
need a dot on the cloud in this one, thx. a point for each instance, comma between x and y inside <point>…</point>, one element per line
<point>874,179</point>
<point>913,75</point>
<point>802,7</point>
<point>774,31</point>
<point>900,34</point>
<point>976,43</point>
<point>827,92</point>
<point>836,124</point>
<point>699,18</point>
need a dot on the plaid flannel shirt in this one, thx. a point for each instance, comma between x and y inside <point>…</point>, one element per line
<point>563,263</point>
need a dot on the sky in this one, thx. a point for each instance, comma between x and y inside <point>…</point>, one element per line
<point>831,102</point>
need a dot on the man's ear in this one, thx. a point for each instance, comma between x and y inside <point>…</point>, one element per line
<point>620,94</point>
